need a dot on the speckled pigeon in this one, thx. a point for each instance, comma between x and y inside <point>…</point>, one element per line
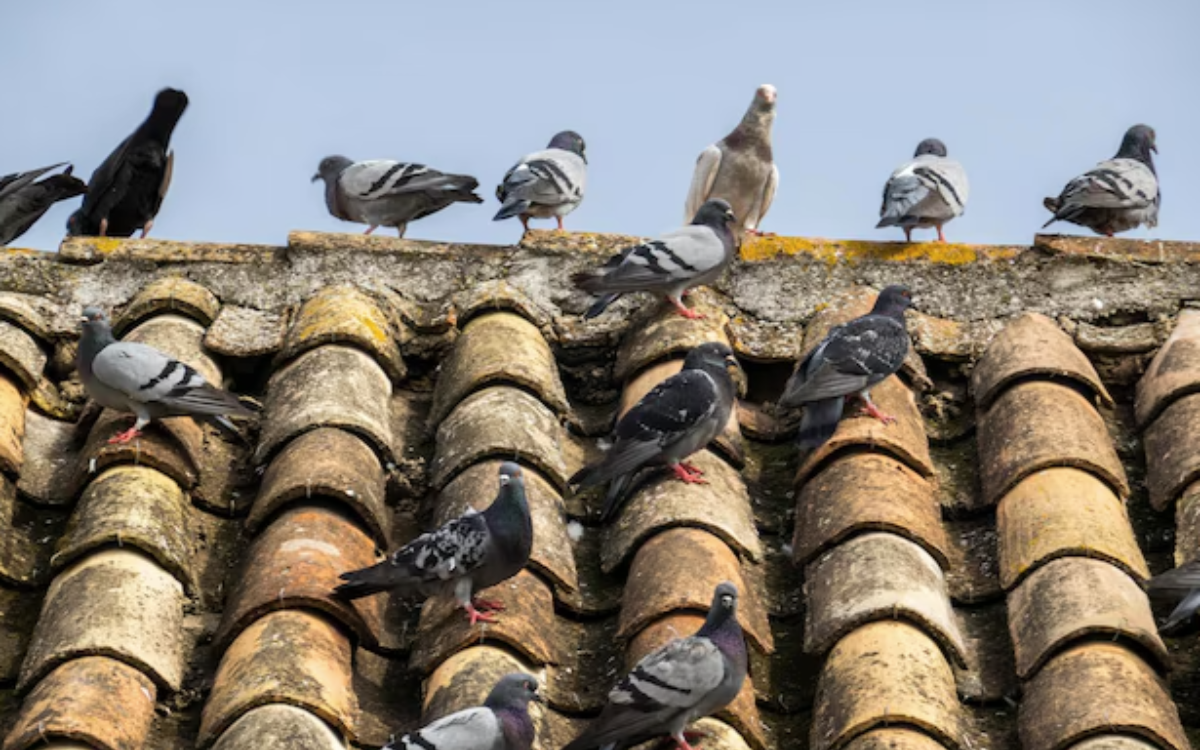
<point>389,193</point>
<point>740,167</point>
<point>685,680</point>
<point>1183,584</point>
<point>135,378</point>
<point>849,361</point>
<point>547,183</point>
<point>669,265</point>
<point>501,723</point>
<point>127,189</point>
<point>928,191</point>
<point>1118,194</point>
<point>678,417</point>
<point>470,553</point>
<point>23,201</point>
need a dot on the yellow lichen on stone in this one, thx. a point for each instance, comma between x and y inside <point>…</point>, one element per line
<point>852,251</point>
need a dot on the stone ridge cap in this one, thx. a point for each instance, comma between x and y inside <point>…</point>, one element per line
<point>91,250</point>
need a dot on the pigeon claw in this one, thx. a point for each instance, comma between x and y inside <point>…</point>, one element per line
<point>124,437</point>
<point>874,411</point>
<point>688,474</point>
<point>684,310</point>
<point>941,237</point>
<point>478,616</point>
<point>757,233</point>
<point>488,605</point>
<point>560,226</point>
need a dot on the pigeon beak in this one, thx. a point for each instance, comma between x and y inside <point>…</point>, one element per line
<point>316,177</point>
<point>737,374</point>
<point>537,697</point>
<point>1154,147</point>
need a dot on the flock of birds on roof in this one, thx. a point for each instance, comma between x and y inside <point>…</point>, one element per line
<point>127,189</point>
<point>688,678</point>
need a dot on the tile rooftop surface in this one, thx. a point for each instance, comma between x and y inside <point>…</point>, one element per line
<point>968,578</point>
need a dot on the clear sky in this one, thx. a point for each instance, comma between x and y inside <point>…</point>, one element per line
<point>1025,93</point>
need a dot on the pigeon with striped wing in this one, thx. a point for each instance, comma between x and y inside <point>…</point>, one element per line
<point>545,184</point>
<point>928,191</point>
<point>1119,194</point>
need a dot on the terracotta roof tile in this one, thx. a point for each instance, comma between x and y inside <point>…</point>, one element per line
<point>1173,456</point>
<point>1187,524</point>
<point>894,739</point>
<point>885,674</point>
<point>94,700</point>
<point>483,355</point>
<point>1061,512</point>
<point>278,726</point>
<point>1097,689</point>
<point>878,576</point>
<point>1175,370</point>
<point>325,463</point>
<point>1072,599</point>
<point>28,312</point>
<point>12,426</point>
<point>116,603</point>
<point>50,476</point>
<point>21,355</point>
<point>168,294</point>
<point>1036,425</point>
<point>293,657</point>
<point>667,334</point>
<point>245,332</point>
<point>497,295</point>
<point>867,492</point>
<point>344,315</point>
<point>132,506</point>
<point>1032,345</point>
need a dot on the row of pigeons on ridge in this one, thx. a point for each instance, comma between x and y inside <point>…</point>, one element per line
<point>684,680</point>
<point>127,189</point>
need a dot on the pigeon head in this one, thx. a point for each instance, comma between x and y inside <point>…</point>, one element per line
<point>1138,142</point>
<point>75,223</point>
<point>171,101</point>
<point>330,167</point>
<point>764,97</point>
<point>716,358</point>
<point>723,608</point>
<point>893,301</point>
<point>510,473</point>
<point>93,316</point>
<point>758,118</point>
<point>931,146</point>
<point>169,105</point>
<point>97,333</point>
<point>715,213</point>
<point>514,691</point>
<point>569,140</point>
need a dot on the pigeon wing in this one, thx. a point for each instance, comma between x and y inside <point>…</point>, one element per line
<point>852,357</point>
<point>1116,183</point>
<point>146,375</point>
<point>672,259</point>
<point>703,177</point>
<point>472,729</point>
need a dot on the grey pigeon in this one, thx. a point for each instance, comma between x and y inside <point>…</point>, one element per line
<point>127,190</point>
<point>685,680</point>
<point>678,417</point>
<point>1182,583</point>
<point>470,553</point>
<point>928,191</point>
<point>547,183</point>
<point>740,167</point>
<point>501,723</point>
<point>23,201</point>
<point>849,361</point>
<point>670,265</point>
<point>389,193</point>
<point>1118,194</point>
<point>136,378</point>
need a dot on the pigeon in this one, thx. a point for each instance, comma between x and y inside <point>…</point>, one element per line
<point>684,680</point>
<point>136,378</point>
<point>928,191</point>
<point>1118,194</point>
<point>671,264</point>
<point>740,168</point>
<point>389,193</point>
<point>23,201</point>
<point>1182,583</point>
<point>850,360</point>
<point>545,183</point>
<point>678,417</point>
<point>472,552</point>
<point>501,723</point>
<point>127,189</point>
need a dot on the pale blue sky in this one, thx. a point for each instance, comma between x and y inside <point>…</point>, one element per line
<point>1026,94</point>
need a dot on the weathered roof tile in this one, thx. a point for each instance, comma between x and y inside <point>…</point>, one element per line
<point>21,355</point>
<point>1172,451</point>
<point>293,657</point>
<point>668,334</point>
<point>1064,511</point>
<point>1075,598</point>
<point>170,293</point>
<point>1097,688</point>
<point>12,427</point>
<point>1037,425</point>
<point>344,315</point>
<point>116,603</point>
<point>1032,345</point>
<point>278,726</point>
<point>246,332</point>
<point>1175,370</point>
<point>93,700</point>
<point>878,576</point>
<point>295,563</point>
<point>864,492</point>
<point>24,535</point>
<point>51,445</point>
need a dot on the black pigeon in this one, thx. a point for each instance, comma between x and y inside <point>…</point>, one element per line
<point>128,188</point>
<point>1118,194</point>
<point>1182,583</point>
<point>678,417</point>
<point>23,201</point>
<point>669,265</point>
<point>501,723</point>
<point>849,361</point>
<point>472,552</point>
<point>684,680</point>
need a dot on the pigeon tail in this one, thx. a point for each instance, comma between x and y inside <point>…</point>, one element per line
<point>615,497</point>
<point>904,193</point>
<point>600,305</point>
<point>819,422</point>
<point>373,580</point>
<point>509,210</point>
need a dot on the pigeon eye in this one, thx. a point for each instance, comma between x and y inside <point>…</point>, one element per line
<point>505,479</point>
